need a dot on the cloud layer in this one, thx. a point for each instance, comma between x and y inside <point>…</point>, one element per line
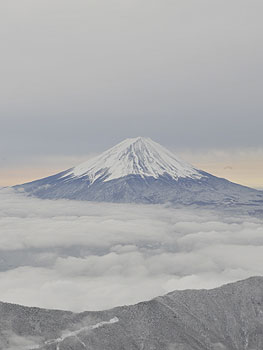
<point>89,256</point>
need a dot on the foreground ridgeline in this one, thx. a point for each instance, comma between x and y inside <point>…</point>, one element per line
<point>140,170</point>
<point>225,318</point>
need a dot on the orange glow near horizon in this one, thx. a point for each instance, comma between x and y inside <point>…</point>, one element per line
<point>247,173</point>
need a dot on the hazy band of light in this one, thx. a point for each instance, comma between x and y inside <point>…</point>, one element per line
<point>243,167</point>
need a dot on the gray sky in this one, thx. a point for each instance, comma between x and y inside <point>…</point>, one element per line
<point>79,76</point>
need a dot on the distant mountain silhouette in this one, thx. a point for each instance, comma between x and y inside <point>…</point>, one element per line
<point>140,170</point>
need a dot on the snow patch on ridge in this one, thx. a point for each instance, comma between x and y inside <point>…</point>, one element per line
<point>75,334</point>
<point>137,156</point>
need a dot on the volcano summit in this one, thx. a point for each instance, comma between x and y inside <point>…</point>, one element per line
<point>139,170</point>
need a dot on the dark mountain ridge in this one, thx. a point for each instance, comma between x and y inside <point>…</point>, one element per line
<point>229,317</point>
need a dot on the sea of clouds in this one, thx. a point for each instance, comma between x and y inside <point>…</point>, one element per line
<point>90,256</point>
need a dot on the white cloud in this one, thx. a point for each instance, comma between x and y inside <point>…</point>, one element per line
<point>82,255</point>
<point>16,342</point>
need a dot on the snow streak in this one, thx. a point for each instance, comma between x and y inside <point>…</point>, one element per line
<point>138,156</point>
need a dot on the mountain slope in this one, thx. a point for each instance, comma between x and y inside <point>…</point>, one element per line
<point>141,171</point>
<point>139,156</point>
<point>228,318</point>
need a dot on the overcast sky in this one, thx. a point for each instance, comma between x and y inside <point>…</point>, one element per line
<point>79,76</point>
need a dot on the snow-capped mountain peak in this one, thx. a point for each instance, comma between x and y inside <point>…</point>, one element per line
<point>140,170</point>
<point>135,156</point>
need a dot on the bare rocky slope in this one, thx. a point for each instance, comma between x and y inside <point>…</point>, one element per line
<point>229,317</point>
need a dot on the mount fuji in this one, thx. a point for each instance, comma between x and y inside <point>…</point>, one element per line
<point>139,170</point>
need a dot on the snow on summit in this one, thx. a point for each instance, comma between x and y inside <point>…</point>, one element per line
<point>135,156</point>
<point>140,170</point>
